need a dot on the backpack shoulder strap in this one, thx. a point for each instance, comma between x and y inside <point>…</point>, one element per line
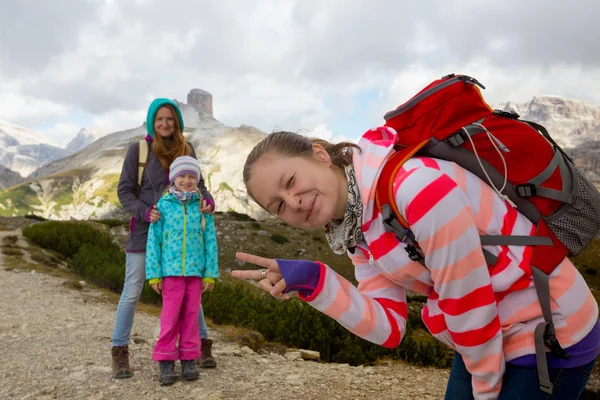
<point>142,160</point>
<point>394,222</point>
<point>385,202</point>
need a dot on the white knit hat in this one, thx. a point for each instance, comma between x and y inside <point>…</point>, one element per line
<point>184,165</point>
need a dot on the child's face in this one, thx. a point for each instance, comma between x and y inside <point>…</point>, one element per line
<point>186,183</point>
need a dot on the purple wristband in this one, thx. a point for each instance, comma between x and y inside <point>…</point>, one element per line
<point>147,215</point>
<point>300,275</point>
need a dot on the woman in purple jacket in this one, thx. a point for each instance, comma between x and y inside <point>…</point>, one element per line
<point>164,124</point>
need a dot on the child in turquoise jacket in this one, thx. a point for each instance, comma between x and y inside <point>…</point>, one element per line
<point>181,257</point>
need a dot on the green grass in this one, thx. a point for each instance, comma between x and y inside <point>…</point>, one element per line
<point>109,190</point>
<point>20,198</point>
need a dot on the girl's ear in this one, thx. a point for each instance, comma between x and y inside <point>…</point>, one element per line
<point>320,154</point>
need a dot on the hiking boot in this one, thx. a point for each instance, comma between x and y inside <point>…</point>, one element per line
<point>120,362</point>
<point>167,373</point>
<point>189,372</point>
<point>206,359</point>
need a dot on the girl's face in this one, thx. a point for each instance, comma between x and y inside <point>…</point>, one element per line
<point>186,183</point>
<point>164,122</point>
<point>305,192</point>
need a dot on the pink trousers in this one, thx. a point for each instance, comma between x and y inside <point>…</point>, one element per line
<point>181,297</point>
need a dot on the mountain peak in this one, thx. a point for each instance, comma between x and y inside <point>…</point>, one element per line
<point>82,139</point>
<point>199,107</point>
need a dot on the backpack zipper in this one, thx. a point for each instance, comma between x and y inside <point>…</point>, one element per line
<point>442,85</point>
<point>184,240</point>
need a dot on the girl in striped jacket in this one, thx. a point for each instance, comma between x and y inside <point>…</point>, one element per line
<point>486,313</point>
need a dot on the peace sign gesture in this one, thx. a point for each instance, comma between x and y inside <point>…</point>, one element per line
<point>271,279</point>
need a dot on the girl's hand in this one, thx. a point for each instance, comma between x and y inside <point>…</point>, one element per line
<point>157,287</point>
<point>270,276</point>
<point>207,286</point>
<point>206,208</point>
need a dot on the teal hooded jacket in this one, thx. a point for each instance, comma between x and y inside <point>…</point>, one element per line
<point>153,109</point>
<point>178,244</point>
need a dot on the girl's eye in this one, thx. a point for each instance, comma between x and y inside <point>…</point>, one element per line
<point>279,207</point>
<point>290,181</point>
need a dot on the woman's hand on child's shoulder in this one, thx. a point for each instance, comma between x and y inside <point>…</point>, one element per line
<point>207,207</point>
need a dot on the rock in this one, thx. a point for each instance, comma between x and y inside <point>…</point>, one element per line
<point>277,357</point>
<point>247,351</point>
<point>239,262</point>
<point>295,380</point>
<point>310,355</point>
<point>215,395</point>
<point>293,356</point>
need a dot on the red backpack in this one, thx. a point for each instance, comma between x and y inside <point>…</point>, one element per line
<point>450,120</point>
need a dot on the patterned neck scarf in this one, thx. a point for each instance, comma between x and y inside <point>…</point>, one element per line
<point>183,197</point>
<point>345,234</point>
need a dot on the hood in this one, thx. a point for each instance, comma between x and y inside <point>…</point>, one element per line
<point>376,145</point>
<point>153,109</point>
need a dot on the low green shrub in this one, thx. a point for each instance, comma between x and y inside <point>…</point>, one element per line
<point>114,222</point>
<point>297,324</point>
<point>277,238</point>
<point>67,237</point>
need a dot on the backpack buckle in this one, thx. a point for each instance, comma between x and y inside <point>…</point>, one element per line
<point>413,254</point>
<point>526,190</point>
<point>457,139</point>
<point>552,343</point>
<point>391,224</point>
<point>507,114</point>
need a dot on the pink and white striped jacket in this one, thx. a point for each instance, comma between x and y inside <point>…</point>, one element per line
<point>486,313</point>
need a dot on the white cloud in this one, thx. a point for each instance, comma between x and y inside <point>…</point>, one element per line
<point>323,132</point>
<point>284,64</point>
<point>117,120</point>
<point>23,109</point>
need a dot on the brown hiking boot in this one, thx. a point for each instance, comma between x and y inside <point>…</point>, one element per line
<point>206,359</point>
<point>120,362</point>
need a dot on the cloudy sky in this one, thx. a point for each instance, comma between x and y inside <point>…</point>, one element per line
<point>334,66</point>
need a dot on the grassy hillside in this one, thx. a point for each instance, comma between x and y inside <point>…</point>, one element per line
<point>51,195</point>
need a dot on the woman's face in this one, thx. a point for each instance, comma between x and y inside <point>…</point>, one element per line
<point>305,192</point>
<point>164,122</point>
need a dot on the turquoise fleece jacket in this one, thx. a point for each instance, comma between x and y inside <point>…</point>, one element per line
<point>177,244</point>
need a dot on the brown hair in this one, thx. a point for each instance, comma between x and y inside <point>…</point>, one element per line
<point>294,145</point>
<point>168,149</point>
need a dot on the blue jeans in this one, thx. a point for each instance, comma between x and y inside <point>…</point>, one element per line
<point>135,276</point>
<point>521,383</point>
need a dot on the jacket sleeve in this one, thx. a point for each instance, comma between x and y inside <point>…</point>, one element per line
<point>441,218</point>
<point>205,193</point>
<point>211,252</point>
<point>154,246</point>
<point>376,310</point>
<point>128,187</point>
